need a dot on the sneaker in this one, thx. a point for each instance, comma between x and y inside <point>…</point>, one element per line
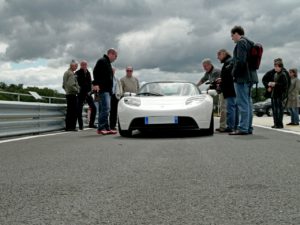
<point>103,132</point>
<point>112,132</point>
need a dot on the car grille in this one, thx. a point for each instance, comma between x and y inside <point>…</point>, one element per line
<point>183,123</point>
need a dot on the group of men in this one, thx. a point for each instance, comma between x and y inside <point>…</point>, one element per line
<point>234,82</point>
<point>234,85</point>
<point>79,88</point>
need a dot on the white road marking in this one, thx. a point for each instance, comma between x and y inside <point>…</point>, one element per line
<point>37,136</point>
<point>280,130</point>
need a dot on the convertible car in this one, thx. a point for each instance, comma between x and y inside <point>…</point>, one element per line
<point>166,106</point>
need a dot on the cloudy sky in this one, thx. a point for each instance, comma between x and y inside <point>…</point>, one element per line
<point>161,39</point>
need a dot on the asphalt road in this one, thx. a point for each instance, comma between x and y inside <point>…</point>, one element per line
<point>84,178</point>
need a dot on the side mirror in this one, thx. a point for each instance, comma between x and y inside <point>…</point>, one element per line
<point>210,92</point>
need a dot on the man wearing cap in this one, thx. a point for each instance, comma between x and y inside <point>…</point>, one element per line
<point>71,88</point>
<point>103,84</point>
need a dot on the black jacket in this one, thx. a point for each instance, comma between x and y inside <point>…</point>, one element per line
<point>269,77</point>
<point>84,80</point>
<point>103,75</point>
<point>281,87</point>
<point>227,86</point>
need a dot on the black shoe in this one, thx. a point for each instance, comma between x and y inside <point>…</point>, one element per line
<point>92,126</point>
<point>277,127</point>
<point>80,128</point>
<point>290,124</point>
<point>74,129</point>
<point>226,130</point>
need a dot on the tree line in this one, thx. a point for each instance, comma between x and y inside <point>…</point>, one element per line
<point>19,88</point>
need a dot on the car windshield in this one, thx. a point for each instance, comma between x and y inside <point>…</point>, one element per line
<point>168,89</point>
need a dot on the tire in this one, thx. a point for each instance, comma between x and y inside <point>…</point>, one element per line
<point>124,133</point>
<point>259,114</point>
<point>269,111</point>
<point>210,130</point>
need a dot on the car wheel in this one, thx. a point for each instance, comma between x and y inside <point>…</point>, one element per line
<point>210,130</point>
<point>124,133</point>
<point>269,111</point>
<point>259,114</point>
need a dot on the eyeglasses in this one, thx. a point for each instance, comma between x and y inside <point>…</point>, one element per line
<point>128,70</point>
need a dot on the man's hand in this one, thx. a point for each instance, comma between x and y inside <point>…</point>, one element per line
<point>96,88</point>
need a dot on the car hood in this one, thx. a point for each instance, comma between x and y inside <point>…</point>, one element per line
<point>164,100</point>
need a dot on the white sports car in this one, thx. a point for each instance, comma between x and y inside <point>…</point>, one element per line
<point>166,105</point>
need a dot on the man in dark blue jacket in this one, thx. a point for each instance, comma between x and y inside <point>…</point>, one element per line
<point>244,77</point>
<point>227,88</point>
<point>103,84</point>
<point>85,82</point>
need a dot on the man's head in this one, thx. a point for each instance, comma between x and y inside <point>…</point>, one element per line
<point>207,65</point>
<point>293,72</point>
<point>278,65</point>
<point>222,54</point>
<point>277,60</point>
<point>129,71</point>
<point>83,65</point>
<point>236,33</point>
<point>73,65</point>
<point>112,54</point>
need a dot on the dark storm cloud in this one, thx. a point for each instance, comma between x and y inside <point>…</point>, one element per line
<point>170,35</point>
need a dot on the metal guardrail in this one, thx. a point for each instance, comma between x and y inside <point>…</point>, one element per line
<point>19,95</point>
<point>18,118</point>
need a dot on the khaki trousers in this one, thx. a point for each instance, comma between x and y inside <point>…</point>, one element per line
<point>222,108</point>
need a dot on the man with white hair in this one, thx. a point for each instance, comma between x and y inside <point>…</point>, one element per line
<point>71,88</point>
<point>211,75</point>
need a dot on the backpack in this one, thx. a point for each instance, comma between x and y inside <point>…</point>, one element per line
<point>254,56</point>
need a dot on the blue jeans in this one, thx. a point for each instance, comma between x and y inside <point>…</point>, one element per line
<point>294,115</point>
<point>244,104</point>
<point>231,113</point>
<point>104,109</point>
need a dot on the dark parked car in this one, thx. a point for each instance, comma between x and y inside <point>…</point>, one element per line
<point>265,107</point>
<point>261,108</point>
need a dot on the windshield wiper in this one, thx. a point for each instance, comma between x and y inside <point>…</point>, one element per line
<point>150,94</point>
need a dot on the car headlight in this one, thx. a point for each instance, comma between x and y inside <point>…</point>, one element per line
<point>132,101</point>
<point>195,100</point>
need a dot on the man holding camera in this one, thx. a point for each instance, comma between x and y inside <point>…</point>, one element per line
<point>85,83</point>
<point>212,74</point>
